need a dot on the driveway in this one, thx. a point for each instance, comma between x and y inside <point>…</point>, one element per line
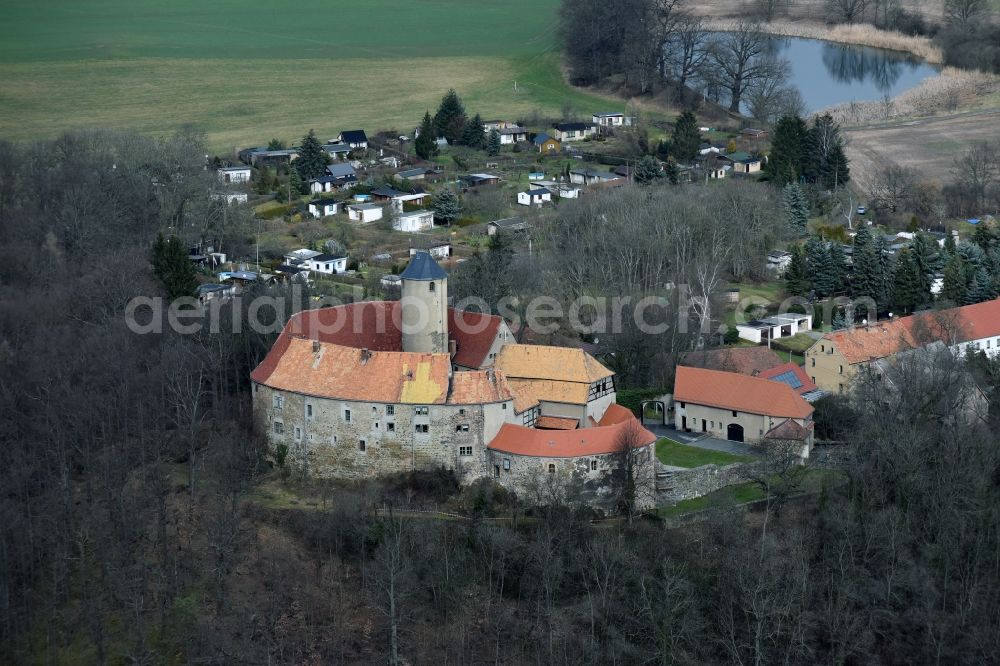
<point>703,441</point>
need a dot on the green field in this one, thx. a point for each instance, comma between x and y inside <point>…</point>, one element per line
<point>248,71</point>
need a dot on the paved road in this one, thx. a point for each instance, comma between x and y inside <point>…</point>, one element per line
<point>703,441</point>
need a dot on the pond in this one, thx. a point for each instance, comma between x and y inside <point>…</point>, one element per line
<point>827,74</point>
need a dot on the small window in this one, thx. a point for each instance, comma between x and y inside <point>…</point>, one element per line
<point>256,388</point>
<point>552,468</point>
<point>390,410</point>
<point>734,413</point>
<point>361,445</point>
<point>420,411</point>
<point>683,405</point>
<point>390,427</point>
<point>593,465</point>
<point>841,369</point>
<point>298,433</point>
<point>461,412</point>
<point>430,286</point>
<point>496,471</point>
<point>421,427</point>
<point>374,409</point>
<point>505,405</point>
<point>813,361</point>
<point>347,415</point>
<point>376,425</point>
<point>465,451</point>
<point>333,440</point>
<point>279,428</point>
<point>506,464</point>
<point>309,411</point>
<point>278,400</point>
<point>711,424</point>
<point>462,427</point>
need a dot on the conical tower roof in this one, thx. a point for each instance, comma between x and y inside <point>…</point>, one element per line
<point>423,267</point>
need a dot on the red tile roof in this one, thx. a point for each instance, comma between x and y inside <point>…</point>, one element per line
<point>741,393</point>
<point>806,383</point>
<point>476,387</point>
<point>789,429</point>
<point>377,325</point>
<point>970,322</point>
<point>523,441</point>
<point>744,360</point>
<point>473,334</point>
<point>556,423</point>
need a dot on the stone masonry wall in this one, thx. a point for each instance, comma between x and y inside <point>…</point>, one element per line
<point>327,444</point>
<point>675,484</point>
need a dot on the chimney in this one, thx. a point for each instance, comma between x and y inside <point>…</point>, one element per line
<point>315,346</point>
<point>365,355</point>
<point>452,348</point>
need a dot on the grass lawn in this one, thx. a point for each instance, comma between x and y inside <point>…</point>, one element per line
<point>797,343</point>
<point>248,72</point>
<point>676,454</point>
<point>772,292</point>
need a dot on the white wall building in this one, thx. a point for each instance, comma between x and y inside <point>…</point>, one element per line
<point>418,220</point>
<point>329,264</point>
<point>235,174</point>
<point>772,328</point>
<point>364,212</point>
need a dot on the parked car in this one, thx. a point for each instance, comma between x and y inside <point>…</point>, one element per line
<point>862,210</point>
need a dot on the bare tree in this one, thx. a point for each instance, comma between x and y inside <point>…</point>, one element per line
<point>391,577</point>
<point>686,50</point>
<point>633,474</point>
<point>892,187</point>
<point>741,58</point>
<point>848,11</point>
<point>964,12</point>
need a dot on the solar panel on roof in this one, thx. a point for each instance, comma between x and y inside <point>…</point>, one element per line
<point>789,378</point>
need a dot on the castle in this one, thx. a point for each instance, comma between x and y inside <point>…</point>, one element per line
<point>379,387</point>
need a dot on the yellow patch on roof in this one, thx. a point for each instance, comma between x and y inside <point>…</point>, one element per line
<point>418,386</point>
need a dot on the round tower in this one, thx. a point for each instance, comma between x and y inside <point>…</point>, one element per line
<point>424,302</point>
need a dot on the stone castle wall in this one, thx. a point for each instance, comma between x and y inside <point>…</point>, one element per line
<point>674,484</point>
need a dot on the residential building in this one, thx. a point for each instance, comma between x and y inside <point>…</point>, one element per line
<point>328,264</point>
<point>356,139</point>
<point>534,197</point>
<point>511,135</point>
<point>587,176</point>
<point>546,144</point>
<point>235,174</point>
<point>364,212</point>
<point>337,150</point>
<point>509,225</point>
<point>835,360</point>
<point>612,120</point>
<point>322,207</point>
<point>778,261</point>
<point>573,131</point>
<point>775,327</point>
<point>741,408</point>
<point>414,221</point>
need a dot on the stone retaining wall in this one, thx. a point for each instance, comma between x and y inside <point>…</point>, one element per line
<point>674,484</point>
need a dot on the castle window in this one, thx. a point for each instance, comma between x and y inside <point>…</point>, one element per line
<point>256,388</point>
<point>461,412</point>
<point>298,433</point>
<point>734,413</point>
<point>374,409</point>
<point>496,471</point>
<point>421,427</point>
<point>505,405</point>
<point>593,465</point>
<point>279,428</point>
<point>813,360</point>
<point>309,411</point>
<point>682,405</point>
<point>376,425</point>
<point>390,427</point>
<point>506,464</point>
<point>333,440</point>
<point>420,411</point>
<point>390,410</point>
<point>552,468</point>
<point>841,369</point>
<point>465,451</point>
<point>462,427</point>
<point>347,415</point>
<point>361,445</point>
<point>278,400</point>
<point>430,286</point>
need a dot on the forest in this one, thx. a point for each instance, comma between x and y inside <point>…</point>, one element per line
<point>133,528</point>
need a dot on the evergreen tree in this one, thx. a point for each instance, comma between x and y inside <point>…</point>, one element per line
<point>865,282</point>
<point>275,144</point>
<point>838,266</point>
<point>928,260</point>
<point>796,208</point>
<point>424,144</point>
<point>788,150</point>
<point>647,170</point>
<point>312,159</point>
<point>449,121</point>
<point>685,140</point>
<point>956,284</point>
<point>796,275</point>
<point>906,294</point>
<point>671,171</point>
<point>493,144</point>
<point>474,134</point>
<point>173,268</point>
<point>446,206</point>
<point>884,274</point>
<point>821,273</point>
<point>949,245</point>
<point>981,289</point>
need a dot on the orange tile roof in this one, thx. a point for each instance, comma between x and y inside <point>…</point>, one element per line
<point>556,423</point>
<point>616,413</point>
<point>744,360</point>
<point>564,364</point>
<point>806,383</point>
<point>570,393</point>
<point>741,393</point>
<point>473,334</point>
<point>789,429</point>
<point>970,322</point>
<point>344,373</point>
<point>523,441</point>
<point>523,399</point>
<point>474,387</point>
